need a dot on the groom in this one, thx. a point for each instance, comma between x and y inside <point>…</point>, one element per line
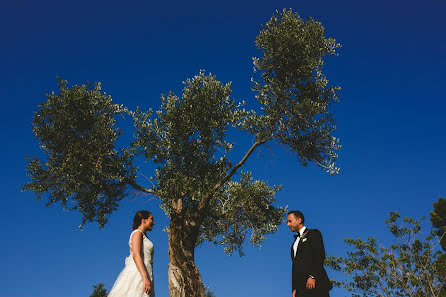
<point>308,254</point>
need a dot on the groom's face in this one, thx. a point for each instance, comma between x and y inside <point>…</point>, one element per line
<point>293,222</point>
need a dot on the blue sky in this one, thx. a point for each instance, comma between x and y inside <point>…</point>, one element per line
<point>390,119</point>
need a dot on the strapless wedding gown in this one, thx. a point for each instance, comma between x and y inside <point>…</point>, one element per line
<point>129,282</point>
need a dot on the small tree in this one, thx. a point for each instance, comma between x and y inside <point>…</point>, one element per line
<point>412,266</point>
<point>206,196</point>
<point>438,219</point>
<point>99,291</point>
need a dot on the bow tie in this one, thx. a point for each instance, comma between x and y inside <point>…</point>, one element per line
<point>296,236</point>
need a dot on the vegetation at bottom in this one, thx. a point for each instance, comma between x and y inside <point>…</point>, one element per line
<point>414,265</point>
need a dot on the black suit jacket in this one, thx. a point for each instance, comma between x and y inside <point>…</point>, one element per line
<point>309,260</point>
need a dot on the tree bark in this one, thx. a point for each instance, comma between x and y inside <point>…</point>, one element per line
<point>184,277</point>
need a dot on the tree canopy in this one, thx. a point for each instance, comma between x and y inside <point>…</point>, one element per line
<point>201,187</point>
<point>99,290</point>
<point>438,219</point>
<point>196,179</point>
<point>412,266</point>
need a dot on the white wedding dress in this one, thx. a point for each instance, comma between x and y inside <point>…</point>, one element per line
<point>129,282</point>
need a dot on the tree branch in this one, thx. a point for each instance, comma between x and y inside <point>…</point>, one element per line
<point>206,197</point>
<point>134,185</point>
<point>239,164</point>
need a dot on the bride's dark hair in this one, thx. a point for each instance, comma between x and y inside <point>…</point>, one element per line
<point>140,215</point>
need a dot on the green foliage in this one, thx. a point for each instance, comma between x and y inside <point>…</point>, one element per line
<point>438,219</point>
<point>99,291</point>
<point>240,207</point>
<point>294,92</point>
<point>411,266</point>
<point>83,169</point>
<point>186,139</point>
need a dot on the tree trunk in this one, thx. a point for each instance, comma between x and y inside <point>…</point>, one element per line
<point>184,277</point>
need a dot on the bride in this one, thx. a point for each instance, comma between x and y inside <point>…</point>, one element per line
<point>136,279</point>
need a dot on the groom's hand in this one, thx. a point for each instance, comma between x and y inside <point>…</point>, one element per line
<point>294,293</point>
<point>311,283</point>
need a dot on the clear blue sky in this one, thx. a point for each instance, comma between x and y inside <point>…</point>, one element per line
<point>390,118</point>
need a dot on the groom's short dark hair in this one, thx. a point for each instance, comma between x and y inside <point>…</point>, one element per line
<point>298,214</point>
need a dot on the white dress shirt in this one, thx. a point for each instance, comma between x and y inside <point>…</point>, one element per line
<point>296,242</point>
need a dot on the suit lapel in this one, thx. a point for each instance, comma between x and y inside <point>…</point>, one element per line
<point>304,235</point>
<point>292,250</point>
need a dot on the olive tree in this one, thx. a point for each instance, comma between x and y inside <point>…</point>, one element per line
<point>413,265</point>
<point>438,219</point>
<point>201,187</point>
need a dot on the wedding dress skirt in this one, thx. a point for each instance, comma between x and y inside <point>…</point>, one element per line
<point>129,282</point>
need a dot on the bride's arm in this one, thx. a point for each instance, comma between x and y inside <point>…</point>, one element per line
<point>136,252</point>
